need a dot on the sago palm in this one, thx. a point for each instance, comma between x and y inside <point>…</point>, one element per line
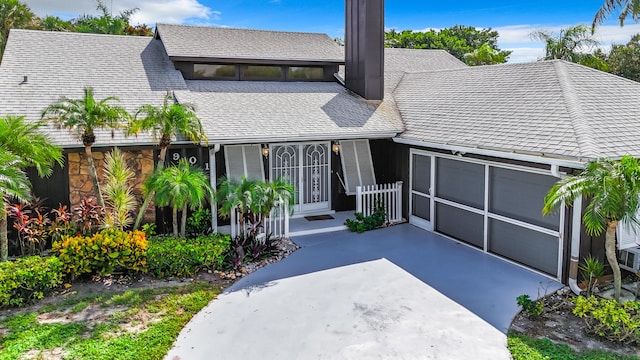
<point>165,122</point>
<point>14,185</point>
<point>613,190</point>
<point>82,117</point>
<point>182,187</point>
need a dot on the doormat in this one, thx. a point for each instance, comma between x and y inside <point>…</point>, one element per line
<point>318,217</point>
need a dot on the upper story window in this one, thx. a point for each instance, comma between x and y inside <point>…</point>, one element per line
<point>261,72</point>
<point>252,72</point>
<point>209,71</point>
<point>297,73</point>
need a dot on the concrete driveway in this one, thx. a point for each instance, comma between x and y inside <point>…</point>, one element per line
<point>395,293</point>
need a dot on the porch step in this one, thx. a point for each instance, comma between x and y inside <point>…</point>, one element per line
<point>317,231</point>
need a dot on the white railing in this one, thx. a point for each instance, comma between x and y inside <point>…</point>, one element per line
<point>387,195</point>
<point>277,224</point>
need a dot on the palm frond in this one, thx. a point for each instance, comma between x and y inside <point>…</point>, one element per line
<point>28,141</point>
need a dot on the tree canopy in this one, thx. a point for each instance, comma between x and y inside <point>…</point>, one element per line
<point>458,40</point>
<point>16,15</point>
<point>624,60</point>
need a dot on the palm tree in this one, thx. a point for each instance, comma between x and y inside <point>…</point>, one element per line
<point>181,187</point>
<point>613,186</point>
<point>82,117</point>
<point>32,147</point>
<point>14,184</point>
<point>164,123</point>
<point>28,141</point>
<point>627,8</point>
<point>569,44</point>
<point>252,199</point>
<point>233,195</point>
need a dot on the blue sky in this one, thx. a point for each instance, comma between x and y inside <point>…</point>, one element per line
<point>513,20</point>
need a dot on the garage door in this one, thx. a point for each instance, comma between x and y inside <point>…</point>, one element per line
<point>493,207</point>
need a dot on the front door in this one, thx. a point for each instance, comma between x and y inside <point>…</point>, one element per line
<point>421,186</point>
<point>307,168</point>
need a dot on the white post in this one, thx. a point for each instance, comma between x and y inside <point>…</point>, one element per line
<point>286,219</point>
<point>212,180</point>
<point>234,223</point>
<point>399,201</point>
<point>359,199</point>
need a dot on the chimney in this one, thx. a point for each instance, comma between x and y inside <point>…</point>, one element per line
<point>364,48</point>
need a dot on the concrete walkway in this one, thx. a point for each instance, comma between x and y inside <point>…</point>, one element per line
<point>396,293</point>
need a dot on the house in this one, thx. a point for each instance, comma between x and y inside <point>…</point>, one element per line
<point>477,148</point>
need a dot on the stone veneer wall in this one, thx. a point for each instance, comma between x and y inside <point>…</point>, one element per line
<point>140,161</point>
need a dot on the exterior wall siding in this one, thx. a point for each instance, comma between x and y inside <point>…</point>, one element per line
<point>141,161</point>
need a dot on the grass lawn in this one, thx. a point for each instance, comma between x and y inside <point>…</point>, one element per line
<point>137,324</point>
<point>523,347</point>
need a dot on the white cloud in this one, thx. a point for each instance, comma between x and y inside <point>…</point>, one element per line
<point>517,38</point>
<point>525,54</point>
<point>150,11</point>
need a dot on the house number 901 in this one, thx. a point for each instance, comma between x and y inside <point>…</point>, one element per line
<point>192,160</point>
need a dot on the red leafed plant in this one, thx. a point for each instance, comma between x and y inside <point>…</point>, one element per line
<point>88,216</point>
<point>31,224</point>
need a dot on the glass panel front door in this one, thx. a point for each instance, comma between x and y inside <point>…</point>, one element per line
<point>307,168</point>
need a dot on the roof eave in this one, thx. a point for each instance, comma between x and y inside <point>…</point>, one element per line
<point>541,158</point>
<point>298,138</point>
<point>253,60</point>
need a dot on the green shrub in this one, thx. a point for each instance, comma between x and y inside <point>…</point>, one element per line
<point>364,223</point>
<point>184,257</point>
<point>103,253</point>
<point>619,322</point>
<point>199,222</point>
<point>533,308</point>
<point>26,280</point>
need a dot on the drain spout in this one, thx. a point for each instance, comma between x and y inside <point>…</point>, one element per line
<point>575,245</point>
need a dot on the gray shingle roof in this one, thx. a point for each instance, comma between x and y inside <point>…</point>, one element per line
<point>228,43</point>
<point>245,111</point>
<point>134,69</point>
<point>398,62</point>
<point>554,108</point>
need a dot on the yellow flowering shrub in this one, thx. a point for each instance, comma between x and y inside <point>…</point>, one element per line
<point>103,253</point>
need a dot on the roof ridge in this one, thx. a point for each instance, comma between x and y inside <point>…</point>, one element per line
<point>74,33</point>
<point>244,29</point>
<point>584,137</point>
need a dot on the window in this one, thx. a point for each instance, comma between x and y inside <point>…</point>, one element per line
<point>210,71</point>
<point>244,160</point>
<point>357,166</point>
<point>261,72</point>
<point>305,73</point>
